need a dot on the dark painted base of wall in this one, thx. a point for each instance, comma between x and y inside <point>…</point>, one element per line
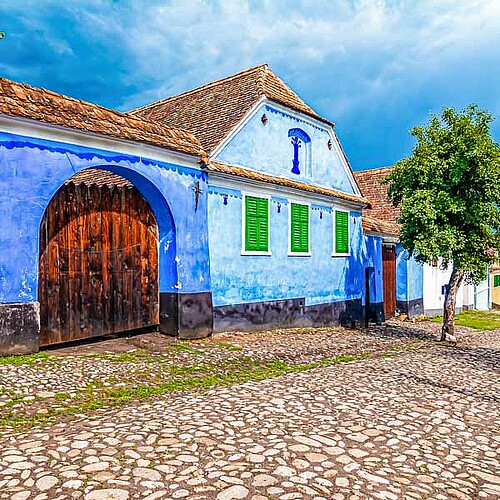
<point>284,314</point>
<point>186,315</point>
<point>377,312</point>
<point>411,308</point>
<point>19,328</point>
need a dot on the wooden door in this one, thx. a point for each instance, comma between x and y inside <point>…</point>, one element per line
<point>389,278</point>
<point>98,263</point>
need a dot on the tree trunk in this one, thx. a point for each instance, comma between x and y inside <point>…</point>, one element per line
<point>448,330</point>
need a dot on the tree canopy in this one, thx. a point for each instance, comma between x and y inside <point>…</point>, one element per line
<point>449,193</point>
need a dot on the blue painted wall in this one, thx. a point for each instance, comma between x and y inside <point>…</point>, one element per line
<point>31,172</point>
<point>372,257</point>
<point>320,278</point>
<point>268,148</point>
<point>409,277</point>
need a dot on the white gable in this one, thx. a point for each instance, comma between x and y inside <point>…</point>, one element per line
<point>279,141</point>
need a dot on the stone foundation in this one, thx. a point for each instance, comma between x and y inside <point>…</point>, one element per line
<point>186,315</point>
<point>19,328</point>
<point>411,308</point>
<point>286,314</point>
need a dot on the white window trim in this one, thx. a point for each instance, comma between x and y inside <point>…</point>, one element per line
<point>298,254</point>
<point>244,195</point>
<point>334,211</point>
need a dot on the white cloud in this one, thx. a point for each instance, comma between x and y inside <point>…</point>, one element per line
<point>352,60</point>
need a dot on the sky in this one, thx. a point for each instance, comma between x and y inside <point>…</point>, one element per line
<point>374,67</point>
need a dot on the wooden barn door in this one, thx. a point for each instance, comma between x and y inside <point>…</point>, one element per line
<point>98,263</point>
<point>389,278</point>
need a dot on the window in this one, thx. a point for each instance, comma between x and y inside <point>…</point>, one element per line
<point>256,225</point>
<point>341,233</point>
<point>299,228</point>
<point>496,280</point>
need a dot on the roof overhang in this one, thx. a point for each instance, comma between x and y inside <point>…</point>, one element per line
<point>226,171</point>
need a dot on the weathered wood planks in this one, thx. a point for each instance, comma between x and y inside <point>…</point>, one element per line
<point>98,263</point>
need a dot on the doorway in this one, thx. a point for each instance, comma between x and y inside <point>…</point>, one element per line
<point>98,272</point>
<point>389,279</point>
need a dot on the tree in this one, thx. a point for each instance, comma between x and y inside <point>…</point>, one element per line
<point>449,194</point>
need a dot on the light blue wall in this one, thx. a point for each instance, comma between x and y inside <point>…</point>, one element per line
<point>321,278</point>
<point>372,257</point>
<point>409,276</point>
<point>31,172</point>
<point>267,148</point>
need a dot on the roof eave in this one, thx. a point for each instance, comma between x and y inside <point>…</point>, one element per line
<point>223,169</point>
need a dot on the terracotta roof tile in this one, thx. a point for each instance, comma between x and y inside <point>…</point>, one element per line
<point>258,176</point>
<point>25,101</point>
<point>99,177</point>
<point>383,216</point>
<point>380,226</point>
<point>210,112</point>
<point>371,187</point>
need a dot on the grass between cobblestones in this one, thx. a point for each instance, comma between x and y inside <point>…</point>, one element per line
<point>116,391</point>
<point>479,320</point>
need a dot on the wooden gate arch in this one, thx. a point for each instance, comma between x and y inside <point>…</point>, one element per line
<point>98,269</point>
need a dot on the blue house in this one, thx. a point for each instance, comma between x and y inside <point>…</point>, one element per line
<point>228,207</point>
<point>284,210</point>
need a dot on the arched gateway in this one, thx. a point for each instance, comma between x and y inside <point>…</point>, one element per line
<point>98,270</point>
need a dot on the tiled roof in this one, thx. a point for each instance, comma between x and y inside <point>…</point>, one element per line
<point>281,181</point>
<point>380,226</point>
<point>25,101</point>
<point>91,176</point>
<point>371,187</point>
<point>210,112</point>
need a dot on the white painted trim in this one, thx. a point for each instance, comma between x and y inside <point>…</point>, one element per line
<point>298,254</point>
<point>229,137</point>
<point>339,209</point>
<point>244,194</point>
<point>298,114</point>
<point>49,132</point>
<point>228,181</point>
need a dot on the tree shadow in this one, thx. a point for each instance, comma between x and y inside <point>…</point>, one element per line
<point>399,331</point>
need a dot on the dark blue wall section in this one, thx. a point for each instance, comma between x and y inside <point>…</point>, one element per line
<point>31,172</point>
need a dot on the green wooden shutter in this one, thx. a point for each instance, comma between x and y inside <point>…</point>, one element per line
<point>496,280</point>
<point>299,228</point>
<point>256,224</point>
<point>341,232</point>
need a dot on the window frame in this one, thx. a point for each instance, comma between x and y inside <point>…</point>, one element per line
<point>290,252</point>
<point>334,227</point>
<point>244,196</point>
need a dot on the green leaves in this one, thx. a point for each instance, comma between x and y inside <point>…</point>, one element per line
<point>449,191</point>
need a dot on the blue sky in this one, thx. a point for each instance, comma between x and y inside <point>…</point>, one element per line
<point>374,67</point>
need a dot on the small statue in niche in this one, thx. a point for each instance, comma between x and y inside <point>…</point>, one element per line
<point>295,162</point>
<point>300,140</point>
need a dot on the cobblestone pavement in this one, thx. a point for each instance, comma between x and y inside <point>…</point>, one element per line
<point>419,420</point>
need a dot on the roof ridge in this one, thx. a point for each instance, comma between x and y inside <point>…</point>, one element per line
<point>201,87</point>
<point>262,79</point>
<point>373,169</point>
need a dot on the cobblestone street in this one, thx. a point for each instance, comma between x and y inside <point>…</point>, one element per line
<point>385,413</point>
